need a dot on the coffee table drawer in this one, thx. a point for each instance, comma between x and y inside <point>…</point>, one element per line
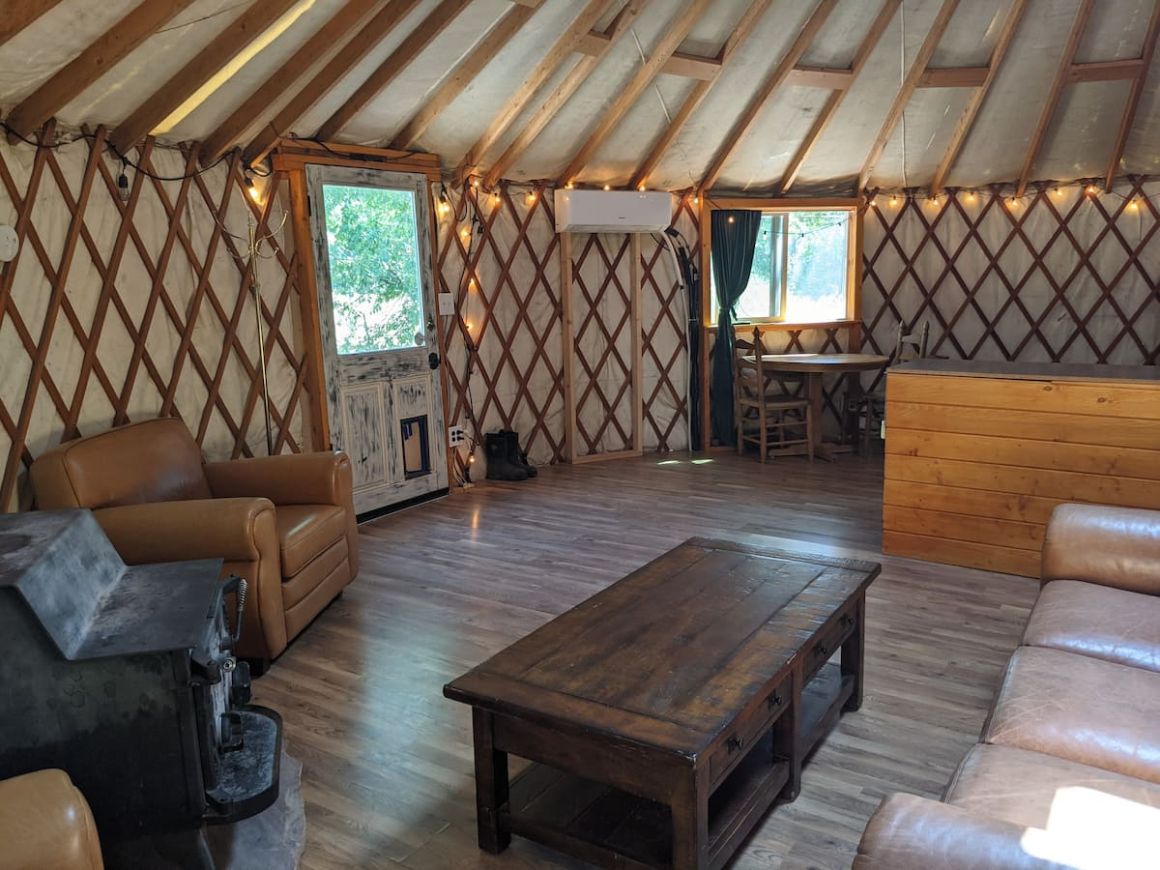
<point>747,730</point>
<point>818,651</point>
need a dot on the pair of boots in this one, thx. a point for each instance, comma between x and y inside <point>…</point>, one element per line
<point>505,460</point>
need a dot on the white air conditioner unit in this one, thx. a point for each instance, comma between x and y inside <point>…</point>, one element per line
<point>613,211</point>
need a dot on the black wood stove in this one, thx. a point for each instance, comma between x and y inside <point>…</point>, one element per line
<point>123,677</point>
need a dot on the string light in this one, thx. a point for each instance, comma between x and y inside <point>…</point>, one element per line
<point>1132,206</point>
<point>696,199</point>
<point>730,218</point>
<point>569,186</point>
<point>530,198</point>
<point>608,187</point>
<point>893,199</point>
<point>970,196</point>
<point>641,187</point>
<point>1091,189</point>
<point>444,201</point>
<point>123,181</point>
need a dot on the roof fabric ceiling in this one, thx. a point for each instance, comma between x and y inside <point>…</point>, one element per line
<point>1078,141</point>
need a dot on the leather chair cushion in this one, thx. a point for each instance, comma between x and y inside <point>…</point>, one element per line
<point>295,588</point>
<point>1097,621</point>
<point>151,461</point>
<point>45,822</point>
<point>305,531</point>
<point>1080,708</point>
<point>1036,790</point>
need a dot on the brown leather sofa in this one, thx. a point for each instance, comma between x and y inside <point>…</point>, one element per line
<point>45,822</point>
<point>1067,772</point>
<point>284,523</point>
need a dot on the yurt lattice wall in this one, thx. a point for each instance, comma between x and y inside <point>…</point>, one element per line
<point>500,257</point>
<point>124,305</point>
<point>1063,274</point>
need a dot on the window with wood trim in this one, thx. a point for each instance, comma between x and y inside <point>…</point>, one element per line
<point>802,269</point>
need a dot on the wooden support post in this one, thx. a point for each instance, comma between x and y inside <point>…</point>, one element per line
<point>566,345</point>
<point>308,310</point>
<point>637,345</point>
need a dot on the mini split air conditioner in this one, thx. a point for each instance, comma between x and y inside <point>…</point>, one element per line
<point>613,211</point>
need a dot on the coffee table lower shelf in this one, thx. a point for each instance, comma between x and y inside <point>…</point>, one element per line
<point>610,827</point>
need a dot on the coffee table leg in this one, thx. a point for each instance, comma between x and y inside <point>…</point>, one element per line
<point>787,738</point>
<point>690,809</point>
<point>853,653</point>
<point>491,784</point>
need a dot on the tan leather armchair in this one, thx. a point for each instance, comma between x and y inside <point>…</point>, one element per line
<point>45,822</point>
<point>285,523</point>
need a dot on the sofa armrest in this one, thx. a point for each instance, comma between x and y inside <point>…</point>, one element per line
<point>1110,546</point>
<point>291,478</point>
<point>232,529</point>
<point>46,822</point>
<point>913,833</point>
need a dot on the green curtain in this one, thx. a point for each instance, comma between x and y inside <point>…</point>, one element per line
<point>734,236</point>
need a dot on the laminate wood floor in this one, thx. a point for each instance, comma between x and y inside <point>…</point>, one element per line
<point>387,777</point>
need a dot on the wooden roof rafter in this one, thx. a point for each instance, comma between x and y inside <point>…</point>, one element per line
<point>141,22</point>
<point>463,73</point>
<point>906,90</point>
<point>975,103</point>
<point>560,51</point>
<point>700,90</point>
<point>435,23</point>
<point>758,101</point>
<point>830,108</point>
<point>224,47</point>
<point>359,45</point>
<point>285,77</point>
<point>1066,61</point>
<point>673,36</point>
<point>18,14</point>
<point>1137,88</point>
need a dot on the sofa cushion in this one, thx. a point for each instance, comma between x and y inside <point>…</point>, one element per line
<point>1097,621</point>
<point>1080,708</point>
<point>1034,790</point>
<point>305,531</point>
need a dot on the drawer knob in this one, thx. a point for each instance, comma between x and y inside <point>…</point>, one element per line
<point>774,700</point>
<point>733,744</point>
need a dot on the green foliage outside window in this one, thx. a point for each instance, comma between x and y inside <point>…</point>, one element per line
<point>373,246</point>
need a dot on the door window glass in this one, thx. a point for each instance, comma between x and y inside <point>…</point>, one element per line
<point>372,241</point>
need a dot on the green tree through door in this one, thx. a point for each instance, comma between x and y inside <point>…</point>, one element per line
<point>372,242</point>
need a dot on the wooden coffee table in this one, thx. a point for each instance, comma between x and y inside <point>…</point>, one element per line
<point>664,715</point>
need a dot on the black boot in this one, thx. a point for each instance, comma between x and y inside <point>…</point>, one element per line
<point>515,455</point>
<point>499,464</point>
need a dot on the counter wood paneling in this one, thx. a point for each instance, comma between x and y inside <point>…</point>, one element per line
<point>978,454</point>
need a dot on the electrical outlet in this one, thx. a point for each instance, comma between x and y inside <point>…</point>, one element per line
<point>446,304</point>
<point>456,435</point>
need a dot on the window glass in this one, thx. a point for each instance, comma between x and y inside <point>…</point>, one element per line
<point>816,274</point>
<point>809,251</point>
<point>372,240</point>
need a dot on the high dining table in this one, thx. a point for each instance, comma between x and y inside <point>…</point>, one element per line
<point>815,366</point>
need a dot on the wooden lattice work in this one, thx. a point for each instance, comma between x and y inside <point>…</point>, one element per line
<point>1062,274</point>
<point>118,309</point>
<point>505,276</point>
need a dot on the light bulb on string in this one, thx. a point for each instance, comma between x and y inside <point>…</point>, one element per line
<point>608,187</point>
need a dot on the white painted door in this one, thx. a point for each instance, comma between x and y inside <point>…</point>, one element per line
<point>376,295</point>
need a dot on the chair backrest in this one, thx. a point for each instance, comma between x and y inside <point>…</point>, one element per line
<point>150,461</point>
<point>913,345</point>
<point>747,367</point>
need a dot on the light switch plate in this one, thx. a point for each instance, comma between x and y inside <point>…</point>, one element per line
<point>446,304</point>
<point>9,244</point>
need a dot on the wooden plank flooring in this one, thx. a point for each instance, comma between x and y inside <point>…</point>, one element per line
<point>387,760</point>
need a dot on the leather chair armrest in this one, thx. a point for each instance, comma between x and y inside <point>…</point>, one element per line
<point>913,833</point>
<point>46,822</point>
<point>1110,546</point>
<point>176,531</point>
<point>289,478</point>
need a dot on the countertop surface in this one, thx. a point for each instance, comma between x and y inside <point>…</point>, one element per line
<point>1034,371</point>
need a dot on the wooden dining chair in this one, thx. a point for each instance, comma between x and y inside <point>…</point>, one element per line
<point>764,414</point>
<point>869,409</point>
